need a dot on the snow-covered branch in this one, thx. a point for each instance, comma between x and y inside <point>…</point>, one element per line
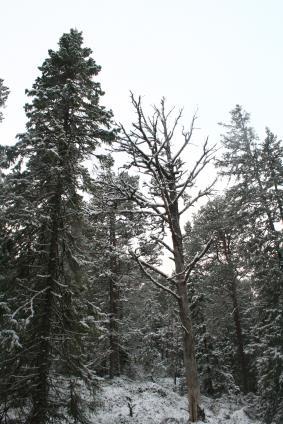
<point>196,259</point>
<point>143,265</point>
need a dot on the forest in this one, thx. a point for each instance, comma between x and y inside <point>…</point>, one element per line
<point>131,256</point>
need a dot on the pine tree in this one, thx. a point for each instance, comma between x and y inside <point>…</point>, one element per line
<point>256,171</point>
<point>113,227</point>
<point>65,125</point>
<point>4,92</point>
<point>222,287</point>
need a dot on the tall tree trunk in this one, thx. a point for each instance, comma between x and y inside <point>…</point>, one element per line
<point>114,368</point>
<point>236,314</point>
<point>190,363</point>
<point>239,334</point>
<point>149,146</point>
<point>40,396</point>
<point>208,382</point>
<point>189,354</point>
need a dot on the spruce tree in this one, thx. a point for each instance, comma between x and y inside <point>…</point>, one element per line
<point>4,92</point>
<point>221,292</point>
<point>113,226</point>
<point>44,219</point>
<point>256,171</point>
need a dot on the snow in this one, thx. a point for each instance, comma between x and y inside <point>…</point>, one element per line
<point>159,403</point>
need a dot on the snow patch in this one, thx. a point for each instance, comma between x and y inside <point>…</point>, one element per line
<point>159,403</point>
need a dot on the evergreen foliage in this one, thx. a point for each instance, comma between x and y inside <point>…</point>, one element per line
<point>43,220</point>
<point>83,295</point>
<point>257,170</point>
<point>220,292</point>
<point>4,92</point>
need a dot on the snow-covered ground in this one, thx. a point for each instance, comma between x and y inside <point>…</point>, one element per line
<point>158,403</point>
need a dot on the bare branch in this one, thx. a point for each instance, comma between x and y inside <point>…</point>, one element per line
<point>163,244</point>
<point>30,301</point>
<point>187,135</point>
<point>151,267</point>
<point>196,259</point>
<point>202,161</point>
<point>142,264</point>
<point>201,193</point>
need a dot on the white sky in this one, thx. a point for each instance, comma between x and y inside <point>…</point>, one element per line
<point>205,54</point>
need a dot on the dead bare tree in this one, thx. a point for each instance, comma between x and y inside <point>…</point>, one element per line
<point>152,151</point>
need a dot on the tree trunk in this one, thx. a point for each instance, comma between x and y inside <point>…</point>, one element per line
<point>191,372</point>
<point>208,382</point>
<point>189,354</point>
<point>236,314</point>
<point>239,334</point>
<point>40,396</point>
<point>114,366</point>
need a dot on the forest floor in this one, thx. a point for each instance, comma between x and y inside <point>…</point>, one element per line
<point>160,403</point>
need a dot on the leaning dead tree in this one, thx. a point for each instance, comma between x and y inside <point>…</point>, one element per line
<point>169,190</point>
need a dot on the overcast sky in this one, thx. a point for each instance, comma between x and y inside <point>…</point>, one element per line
<point>205,54</point>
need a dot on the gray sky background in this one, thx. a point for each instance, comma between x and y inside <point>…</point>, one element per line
<point>205,54</point>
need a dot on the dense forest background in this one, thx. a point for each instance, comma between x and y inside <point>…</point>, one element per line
<point>84,283</point>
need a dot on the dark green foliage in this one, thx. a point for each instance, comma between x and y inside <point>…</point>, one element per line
<point>73,303</point>
<point>43,220</point>
<point>155,339</point>
<point>113,227</point>
<point>4,92</point>
<point>257,194</point>
<point>217,299</point>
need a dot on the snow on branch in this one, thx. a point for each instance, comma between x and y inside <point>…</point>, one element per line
<point>143,265</point>
<point>163,243</point>
<point>202,193</point>
<point>205,157</point>
<point>30,302</point>
<point>196,259</point>
<point>187,137</point>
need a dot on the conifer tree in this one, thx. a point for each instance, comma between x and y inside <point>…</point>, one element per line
<point>256,171</point>
<point>44,220</point>
<point>8,337</point>
<point>4,92</point>
<point>113,226</point>
<point>220,287</point>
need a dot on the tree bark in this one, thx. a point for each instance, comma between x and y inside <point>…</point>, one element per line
<point>40,397</point>
<point>236,315</point>
<point>189,354</point>
<point>114,365</point>
<point>239,335</point>
<point>190,363</point>
<point>149,146</point>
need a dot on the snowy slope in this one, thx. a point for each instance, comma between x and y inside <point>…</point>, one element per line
<point>156,403</point>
